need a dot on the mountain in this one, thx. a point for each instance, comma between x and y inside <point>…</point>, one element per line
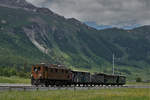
<point>101,27</point>
<point>30,35</point>
<point>98,27</point>
<point>17,3</point>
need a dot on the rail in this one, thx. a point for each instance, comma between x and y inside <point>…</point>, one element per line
<point>34,88</point>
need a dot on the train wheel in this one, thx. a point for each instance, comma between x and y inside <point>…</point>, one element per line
<point>46,85</point>
<point>66,85</point>
<point>69,85</point>
<point>57,83</point>
<point>90,85</point>
<point>32,81</point>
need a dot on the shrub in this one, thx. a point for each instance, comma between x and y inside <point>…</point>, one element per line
<point>138,79</point>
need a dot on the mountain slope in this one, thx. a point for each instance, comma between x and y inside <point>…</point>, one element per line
<point>32,35</point>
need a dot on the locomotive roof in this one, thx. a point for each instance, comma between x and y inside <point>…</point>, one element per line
<point>115,75</point>
<point>52,66</point>
<point>99,73</point>
<point>80,71</point>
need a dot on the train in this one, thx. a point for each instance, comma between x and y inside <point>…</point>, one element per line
<point>58,75</point>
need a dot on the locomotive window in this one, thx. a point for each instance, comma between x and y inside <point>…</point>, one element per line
<point>51,70</point>
<point>68,76</point>
<point>66,71</point>
<point>35,69</point>
<point>39,68</point>
<point>56,70</point>
<point>46,68</point>
<point>62,70</point>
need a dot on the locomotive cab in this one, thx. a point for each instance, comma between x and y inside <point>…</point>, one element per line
<point>36,72</point>
<point>43,74</point>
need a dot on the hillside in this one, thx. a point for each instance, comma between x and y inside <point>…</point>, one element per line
<point>30,35</point>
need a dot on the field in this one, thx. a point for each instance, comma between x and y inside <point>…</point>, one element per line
<point>102,94</point>
<point>14,79</point>
<point>138,83</point>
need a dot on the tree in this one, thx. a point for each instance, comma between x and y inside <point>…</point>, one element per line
<point>138,79</point>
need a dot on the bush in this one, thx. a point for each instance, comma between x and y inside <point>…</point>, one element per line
<point>23,74</point>
<point>6,71</point>
<point>11,71</point>
<point>138,79</point>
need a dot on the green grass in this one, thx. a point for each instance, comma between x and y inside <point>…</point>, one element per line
<point>137,83</point>
<point>14,79</point>
<point>103,94</point>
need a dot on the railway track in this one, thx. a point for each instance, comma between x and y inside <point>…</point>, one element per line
<point>22,87</point>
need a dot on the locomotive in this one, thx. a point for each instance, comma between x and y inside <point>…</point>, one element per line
<point>58,75</point>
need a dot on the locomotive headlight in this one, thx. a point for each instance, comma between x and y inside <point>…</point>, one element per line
<point>40,75</point>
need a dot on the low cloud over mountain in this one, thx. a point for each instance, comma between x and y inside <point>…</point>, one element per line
<point>105,12</point>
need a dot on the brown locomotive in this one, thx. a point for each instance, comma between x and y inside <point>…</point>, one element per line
<point>50,75</point>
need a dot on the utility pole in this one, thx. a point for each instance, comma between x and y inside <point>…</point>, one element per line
<point>113,63</point>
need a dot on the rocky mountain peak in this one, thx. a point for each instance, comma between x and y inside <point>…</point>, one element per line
<point>23,4</point>
<point>17,3</point>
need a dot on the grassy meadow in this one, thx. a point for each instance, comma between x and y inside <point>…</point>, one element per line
<point>138,83</point>
<point>102,94</point>
<point>14,79</point>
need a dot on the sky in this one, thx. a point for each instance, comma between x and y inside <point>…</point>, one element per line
<point>117,13</point>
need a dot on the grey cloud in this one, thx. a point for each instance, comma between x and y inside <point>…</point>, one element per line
<point>106,12</point>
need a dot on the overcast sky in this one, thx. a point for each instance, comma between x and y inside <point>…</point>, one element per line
<point>103,12</point>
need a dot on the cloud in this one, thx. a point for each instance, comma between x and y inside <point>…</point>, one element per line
<point>103,12</point>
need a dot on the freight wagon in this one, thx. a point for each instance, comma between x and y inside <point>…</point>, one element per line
<point>97,79</point>
<point>80,78</point>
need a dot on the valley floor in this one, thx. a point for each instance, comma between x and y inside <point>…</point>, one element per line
<point>14,79</point>
<point>102,94</point>
<point>19,80</point>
